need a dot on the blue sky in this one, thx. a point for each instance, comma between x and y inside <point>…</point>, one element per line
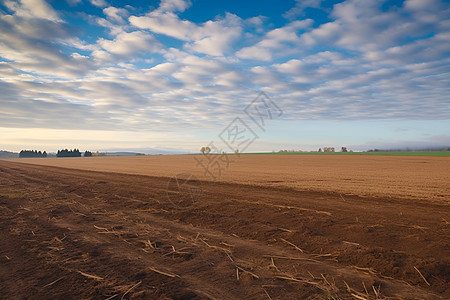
<point>173,74</point>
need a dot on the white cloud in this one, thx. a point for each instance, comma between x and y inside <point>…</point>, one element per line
<point>300,6</point>
<point>164,20</point>
<point>422,5</point>
<point>115,14</point>
<point>31,44</point>
<point>230,79</point>
<point>284,34</point>
<point>114,27</point>
<point>129,44</point>
<point>33,9</point>
<point>215,37</point>
<point>164,68</point>
<point>293,66</point>
<point>168,24</point>
<point>279,40</point>
<point>363,25</point>
<point>256,53</point>
<point>99,3</point>
<point>255,21</point>
<point>199,74</point>
<point>212,37</point>
<point>174,5</point>
<point>314,65</point>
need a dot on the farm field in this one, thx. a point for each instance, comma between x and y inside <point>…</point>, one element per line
<point>417,177</point>
<point>271,227</point>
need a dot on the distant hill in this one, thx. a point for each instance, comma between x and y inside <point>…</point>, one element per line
<point>433,149</point>
<point>7,154</point>
<point>146,151</point>
<point>121,153</point>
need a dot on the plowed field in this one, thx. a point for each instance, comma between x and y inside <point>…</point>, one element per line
<point>272,227</point>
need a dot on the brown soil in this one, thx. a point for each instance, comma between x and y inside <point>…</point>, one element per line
<point>67,233</point>
<point>409,177</point>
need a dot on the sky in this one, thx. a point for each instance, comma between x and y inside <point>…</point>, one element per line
<point>172,76</point>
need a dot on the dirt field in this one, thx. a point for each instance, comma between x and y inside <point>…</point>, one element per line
<point>273,227</point>
<point>420,178</point>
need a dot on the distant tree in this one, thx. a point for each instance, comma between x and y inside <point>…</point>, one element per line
<point>68,153</point>
<point>236,151</point>
<point>87,153</point>
<point>32,153</point>
<point>205,150</point>
<point>320,149</point>
<point>344,149</point>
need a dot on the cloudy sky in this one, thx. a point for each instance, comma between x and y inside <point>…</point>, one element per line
<point>175,74</point>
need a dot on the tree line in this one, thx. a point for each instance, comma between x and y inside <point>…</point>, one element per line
<point>60,153</point>
<point>32,153</point>
<point>72,153</point>
<point>68,153</point>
